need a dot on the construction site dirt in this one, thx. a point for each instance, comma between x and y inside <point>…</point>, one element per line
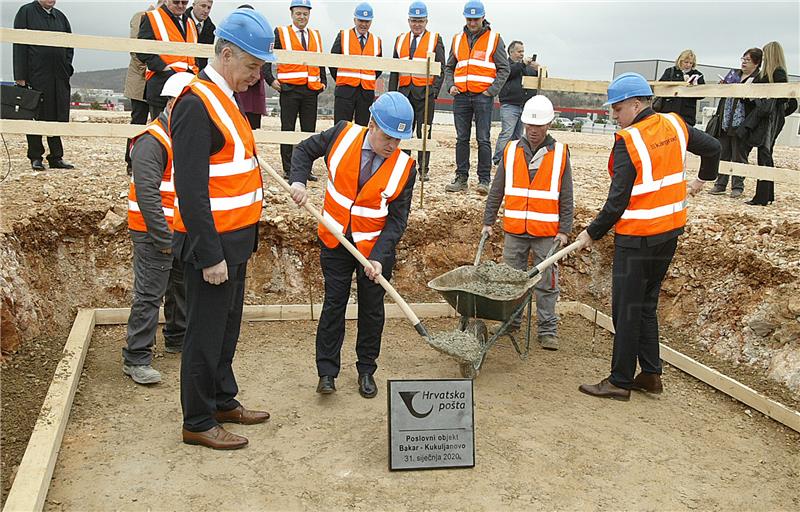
<point>731,300</point>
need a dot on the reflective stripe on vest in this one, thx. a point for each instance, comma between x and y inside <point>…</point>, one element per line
<point>167,187</point>
<point>364,211</point>
<point>298,74</point>
<point>365,78</point>
<point>234,176</point>
<point>531,206</point>
<point>164,29</point>
<point>657,149</point>
<point>425,45</point>
<point>475,70</point>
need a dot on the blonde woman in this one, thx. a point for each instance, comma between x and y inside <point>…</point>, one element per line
<point>683,71</point>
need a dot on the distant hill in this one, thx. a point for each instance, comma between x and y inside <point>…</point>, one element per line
<point>113,79</point>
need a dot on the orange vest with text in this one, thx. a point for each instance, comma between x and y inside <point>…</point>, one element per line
<point>167,187</point>
<point>234,177</point>
<point>475,71</point>
<point>164,29</point>
<point>531,206</point>
<point>657,148</point>
<point>425,45</point>
<point>299,74</point>
<point>350,46</point>
<point>364,211</point>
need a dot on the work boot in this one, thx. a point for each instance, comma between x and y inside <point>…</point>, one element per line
<point>648,382</point>
<point>142,374</point>
<point>717,190</point>
<point>736,193</point>
<point>483,188</point>
<point>548,341</point>
<point>458,184</point>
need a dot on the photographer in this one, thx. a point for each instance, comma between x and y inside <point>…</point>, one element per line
<point>513,96</point>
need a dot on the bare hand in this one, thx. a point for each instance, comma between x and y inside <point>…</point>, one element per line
<point>694,186</point>
<point>216,274</point>
<point>584,239</point>
<point>374,271</point>
<point>561,237</point>
<point>486,230</point>
<point>20,82</point>
<point>276,85</point>
<point>453,91</point>
<point>486,93</point>
<point>533,64</point>
<point>299,193</point>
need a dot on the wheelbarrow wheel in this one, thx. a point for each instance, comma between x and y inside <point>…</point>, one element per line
<point>478,329</point>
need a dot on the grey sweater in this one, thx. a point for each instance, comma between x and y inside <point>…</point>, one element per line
<point>500,62</point>
<point>566,205</point>
<point>148,159</point>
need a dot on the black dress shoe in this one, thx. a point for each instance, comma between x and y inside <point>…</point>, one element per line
<point>753,202</point>
<point>326,385</point>
<point>311,177</point>
<point>366,386</point>
<point>61,164</point>
<point>37,165</point>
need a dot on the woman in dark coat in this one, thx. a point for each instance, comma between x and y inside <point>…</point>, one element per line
<point>683,71</point>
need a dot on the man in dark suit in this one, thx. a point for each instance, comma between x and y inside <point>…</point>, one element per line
<point>200,14</point>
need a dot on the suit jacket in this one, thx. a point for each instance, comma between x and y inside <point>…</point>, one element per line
<point>301,89</point>
<point>414,91</point>
<point>346,91</point>
<point>205,36</point>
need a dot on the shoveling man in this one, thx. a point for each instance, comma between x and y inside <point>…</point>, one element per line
<point>367,198</point>
<point>534,179</point>
<point>646,205</point>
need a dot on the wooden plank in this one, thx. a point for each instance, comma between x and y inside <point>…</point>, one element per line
<point>123,44</point>
<point>776,174</point>
<point>565,85</point>
<point>36,469</point>
<point>126,131</point>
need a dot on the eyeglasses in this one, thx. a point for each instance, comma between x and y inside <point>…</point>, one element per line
<point>181,2</point>
<point>747,59</point>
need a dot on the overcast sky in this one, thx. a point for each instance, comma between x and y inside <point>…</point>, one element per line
<point>575,39</point>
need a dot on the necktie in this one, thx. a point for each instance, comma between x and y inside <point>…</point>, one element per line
<point>363,41</point>
<point>413,48</point>
<point>366,169</point>
<point>303,39</point>
<point>199,26</point>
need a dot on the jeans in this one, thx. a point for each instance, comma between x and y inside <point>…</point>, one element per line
<point>511,128</point>
<point>466,108</point>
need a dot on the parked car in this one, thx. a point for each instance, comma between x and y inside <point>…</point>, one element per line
<point>565,122</point>
<point>581,120</point>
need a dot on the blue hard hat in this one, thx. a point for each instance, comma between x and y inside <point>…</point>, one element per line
<point>627,85</point>
<point>300,3</point>
<point>417,10</point>
<point>393,114</point>
<point>249,30</point>
<point>474,9</point>
<point>363,12</point>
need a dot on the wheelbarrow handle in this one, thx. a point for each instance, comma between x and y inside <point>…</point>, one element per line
<point>538,269</point>
<point>484,237</point>
<point>404,307</point>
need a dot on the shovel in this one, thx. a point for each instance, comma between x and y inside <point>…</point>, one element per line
<point>404,307</point>
<point>541,267</point>
<point>484,237</point>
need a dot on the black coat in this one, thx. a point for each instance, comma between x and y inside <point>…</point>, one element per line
<point>684,107</point>
<point>45,68</point>
<point>206,36</point>
<point>764,117</point>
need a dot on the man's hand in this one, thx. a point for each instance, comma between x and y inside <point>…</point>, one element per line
<point>216,274</point>
<point>276,85</point>
<point>561,237</point>
<point>21,83</point>
<point>453,90</point>
<point>694,186</point>
<point>486,93</point>
<point>299,193</point>
<point>486,230</point>
<point>584,239</point>
<point>373,271</point>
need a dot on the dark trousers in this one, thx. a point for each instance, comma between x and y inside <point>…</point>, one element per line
<point>254,119</point>
<point>477,108</point>
<point>338,266</point>
<point>636,283</point>
<point>155,110</point>
<point>139,112</point>
<point>423,158</point>
<point>156,276</point>
<point>36,148</point>
<point>765,189</point>
<point>296,104</point>
<point>355,108</point>
<point>213,318</point>
<point>734,149</point>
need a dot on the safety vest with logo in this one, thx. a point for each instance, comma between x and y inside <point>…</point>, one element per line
<point>167,187</point>
<point>475,70</point>
<point>531,206</point>
<point>234,176</point>
<point>657,148</point>
<point>350,46</point>
<point>299,74</point>
<point>425,45</point>
<point>164,29</point>
<point>364,211</point>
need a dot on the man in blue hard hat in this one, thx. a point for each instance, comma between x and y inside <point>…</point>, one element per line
<point>219,197</point>
<point>368,197</point>
<point>475,73</point>
<point>355,88</point>
<point>646,205</point>
<point>416,45</point>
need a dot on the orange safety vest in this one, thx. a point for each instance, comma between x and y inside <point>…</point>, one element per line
<point>657,147</point>
<point>531,206</point>
<point>164,29</point>
<point>167,187</point>
<point>234,176</point>
<point>475,71</point>
<point>365,210</point>
<point>299,74</point>
<point>425,45</point>
<point>350,46</point>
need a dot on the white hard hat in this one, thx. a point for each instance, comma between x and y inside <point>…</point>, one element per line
<point>537,110</point>
<point>175,84</point>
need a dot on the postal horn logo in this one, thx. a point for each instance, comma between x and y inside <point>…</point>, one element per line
<point>408,398</point>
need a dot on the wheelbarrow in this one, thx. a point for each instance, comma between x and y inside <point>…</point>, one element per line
<point>474,307</point>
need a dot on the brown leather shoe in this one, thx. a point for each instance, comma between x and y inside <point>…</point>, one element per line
<point>242,416</point>
<point>648,382</point>
<point>605,389</point>
<point>217,438</point>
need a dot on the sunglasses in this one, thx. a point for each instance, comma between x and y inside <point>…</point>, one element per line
<point>180,2</point>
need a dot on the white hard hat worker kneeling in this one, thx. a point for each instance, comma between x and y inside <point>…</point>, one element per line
<point>534,181</point>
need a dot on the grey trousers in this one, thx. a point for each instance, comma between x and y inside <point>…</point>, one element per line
<point>156,276</point>
<point>515,254</point>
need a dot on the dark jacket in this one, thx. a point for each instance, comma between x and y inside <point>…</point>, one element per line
<point>684,107</point>
<point>512,92</point>
<point>301,89</point>
<point>500,61</point>
<point>346,91</point>
<point>764,117</point>
<point>205,36</point>
<point>412,90</point>
<point>619,195</point>
<point>153,87</point>
<point>318,146</point>
<point>45,68</point>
